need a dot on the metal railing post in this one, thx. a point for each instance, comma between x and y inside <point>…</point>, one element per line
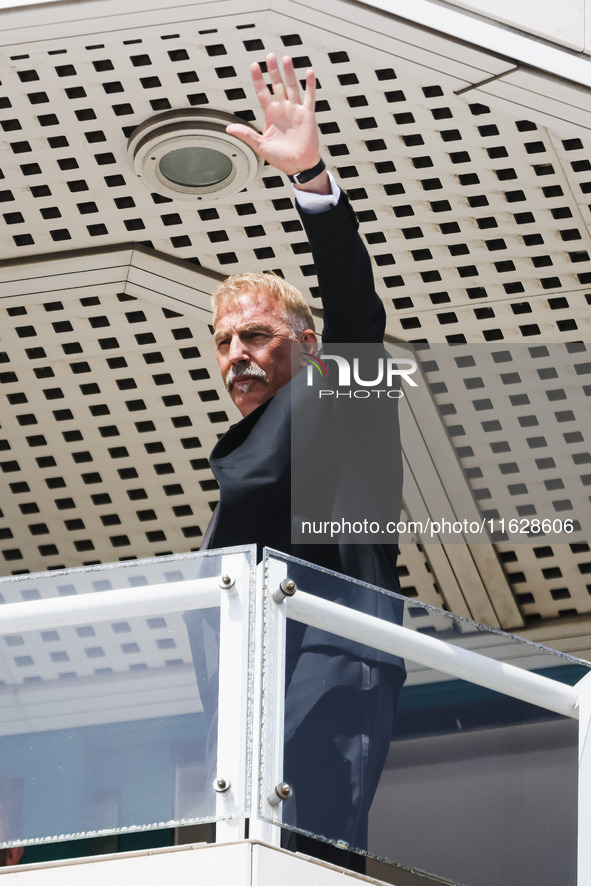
<point>231,773</point>
<point>269,690</point>
<point>583,688</point>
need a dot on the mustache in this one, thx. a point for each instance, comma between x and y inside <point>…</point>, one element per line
<point>247,369</point>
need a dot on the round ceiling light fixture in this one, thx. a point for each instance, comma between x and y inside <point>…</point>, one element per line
<point>187,155</point>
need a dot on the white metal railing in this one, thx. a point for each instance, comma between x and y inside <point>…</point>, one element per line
<point>228,590</point>
<point>507,679</point>
<point>251,696</point>
<point>434,653</point>
<point>61,612</point>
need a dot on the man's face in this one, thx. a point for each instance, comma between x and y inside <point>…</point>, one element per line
<point>254,349</point>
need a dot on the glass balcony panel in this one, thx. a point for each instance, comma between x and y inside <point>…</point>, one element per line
<point>471,778</point>
<point>108,717</point>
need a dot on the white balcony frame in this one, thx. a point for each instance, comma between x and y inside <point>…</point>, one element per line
<point>507,679</point>
<point>251,677</point>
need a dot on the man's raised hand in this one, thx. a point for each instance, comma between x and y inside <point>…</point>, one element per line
<point>289,141</point>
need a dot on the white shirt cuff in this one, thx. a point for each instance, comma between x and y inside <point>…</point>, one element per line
<point>314,203</point>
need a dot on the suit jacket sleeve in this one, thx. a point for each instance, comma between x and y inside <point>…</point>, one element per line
<point>353,312</point>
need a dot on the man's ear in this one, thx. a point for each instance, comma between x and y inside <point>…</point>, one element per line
<point>309,341</point>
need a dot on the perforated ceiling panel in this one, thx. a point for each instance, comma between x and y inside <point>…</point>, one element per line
<point>120,646</point>
<point>469,215</point>
<point>111,406</point>
<point>477,221</point>
<point>518,417</point>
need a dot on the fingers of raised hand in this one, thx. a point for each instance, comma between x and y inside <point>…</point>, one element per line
<point>310,93</point>
<point>279,90</point>
<point>284,88</point>
<point>246,135</point>
<point>263,94</point>
<point>291,81</point>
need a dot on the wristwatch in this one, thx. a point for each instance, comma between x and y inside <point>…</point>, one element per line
<point>300,178</point>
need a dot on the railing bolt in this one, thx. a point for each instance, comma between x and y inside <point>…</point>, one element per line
<point>282,792</point>
<point>287,588</point>
<point>221,785</point>
<point>226,581</point>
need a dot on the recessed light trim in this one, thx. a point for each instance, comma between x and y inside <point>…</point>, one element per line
<point>187,155</point>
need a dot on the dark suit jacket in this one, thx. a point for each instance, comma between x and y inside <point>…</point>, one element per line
<point>252,461</point>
